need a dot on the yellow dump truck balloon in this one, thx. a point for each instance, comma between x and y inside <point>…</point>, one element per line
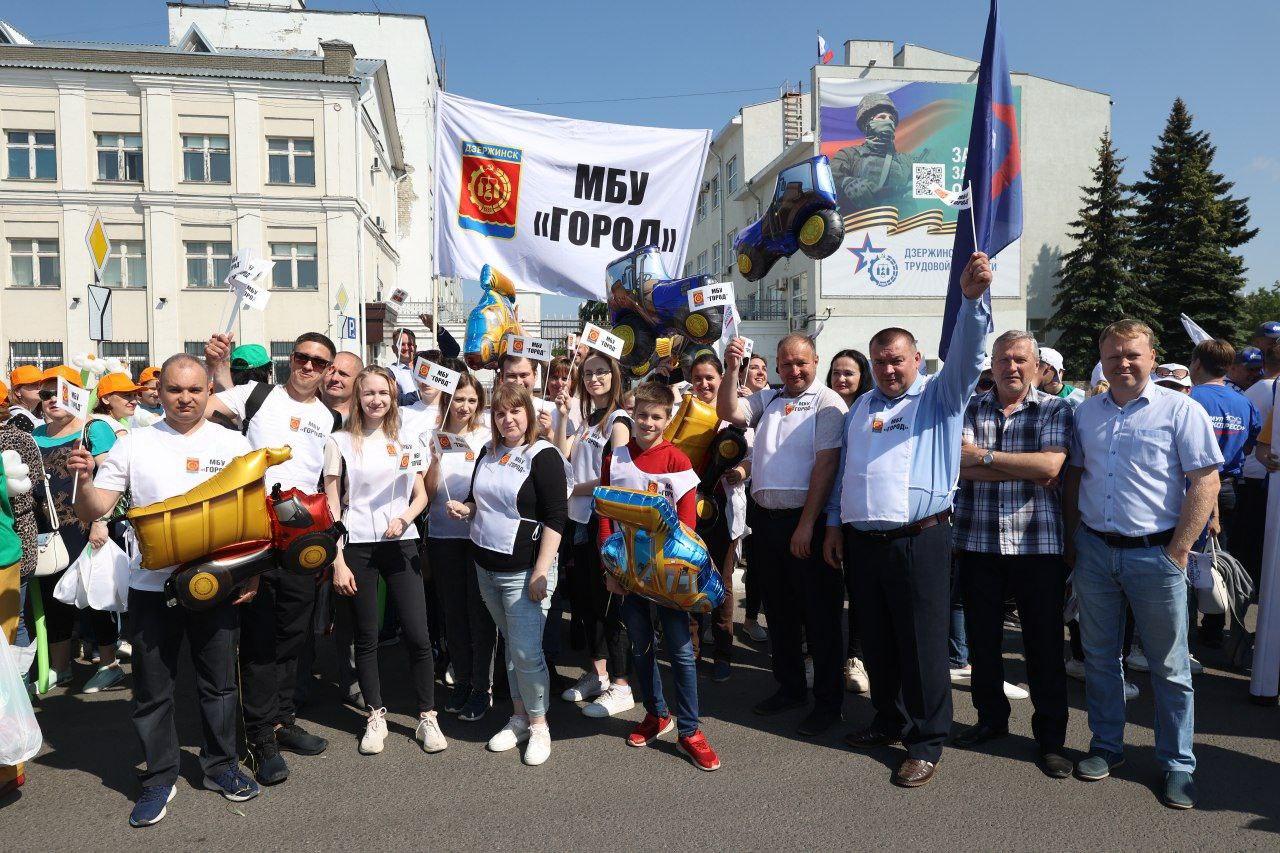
<point>228,508</point>
<point>693,429</point>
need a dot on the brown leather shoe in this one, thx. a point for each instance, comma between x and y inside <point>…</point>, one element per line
<point>870,737</point>
<point>913,773</point>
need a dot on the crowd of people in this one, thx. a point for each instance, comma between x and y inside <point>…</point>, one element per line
<point>942,509</point>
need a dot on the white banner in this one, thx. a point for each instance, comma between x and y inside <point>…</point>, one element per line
<point>598,339</point>
<point>435,375</point>
<point>551,200</point>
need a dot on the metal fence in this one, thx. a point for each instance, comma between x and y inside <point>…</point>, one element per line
<point>754,308</point>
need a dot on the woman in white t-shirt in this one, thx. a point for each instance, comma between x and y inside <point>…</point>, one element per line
<point>469,631</point>
<point>375,489</point>
<point>605,426</point>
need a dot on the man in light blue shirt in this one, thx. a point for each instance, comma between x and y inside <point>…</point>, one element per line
<point>1134,517</point>
<point>890,512</point>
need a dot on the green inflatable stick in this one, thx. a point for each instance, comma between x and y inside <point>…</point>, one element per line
<point>42,639</point>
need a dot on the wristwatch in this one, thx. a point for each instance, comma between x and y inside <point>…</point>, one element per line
<point>988,457</point>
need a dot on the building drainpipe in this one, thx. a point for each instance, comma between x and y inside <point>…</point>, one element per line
<point>724,199</point>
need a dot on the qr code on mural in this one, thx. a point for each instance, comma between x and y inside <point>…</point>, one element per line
<point>926,176</point>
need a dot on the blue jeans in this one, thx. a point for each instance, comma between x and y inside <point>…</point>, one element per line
<point>521,623</point>
<point>957,639</point>
<point>1156,588</point>
<point>675,636</point>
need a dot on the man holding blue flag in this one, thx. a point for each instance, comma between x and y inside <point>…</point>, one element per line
<point>993,172</point>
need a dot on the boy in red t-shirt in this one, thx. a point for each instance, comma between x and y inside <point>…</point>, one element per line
<point>648,460</point>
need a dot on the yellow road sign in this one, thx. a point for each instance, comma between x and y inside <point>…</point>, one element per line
<point>96,239</point>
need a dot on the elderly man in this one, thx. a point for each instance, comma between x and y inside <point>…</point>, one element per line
<point>890,515</point>
<point>1141,484</point>
<point>796,452</point>
<point>1008,539</point>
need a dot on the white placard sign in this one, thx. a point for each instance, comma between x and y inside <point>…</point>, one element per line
<point>730,322</point>
<point>414,458</point>
<point>748,347</point>
<point>605,342</point>
<point>436,375</point>
<point>451,442</point>
<point>73,399</point>
<point>710,295</point>
<point>535,348</point>
<point>253,294</point>
<point>398,297</point>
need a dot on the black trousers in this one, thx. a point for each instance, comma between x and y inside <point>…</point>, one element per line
<point>396,563</point>
<point>902,591</point>
<point>1038,585</point>
<point>468,628</point>
<point>803,595</point>
<point>60,619</point>
<point>601,611</point>
<point>273,630</point>
<point>751,598</point>
<point>157,636</point>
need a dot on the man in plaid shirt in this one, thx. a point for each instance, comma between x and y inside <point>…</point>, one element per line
<point>1008,538</point>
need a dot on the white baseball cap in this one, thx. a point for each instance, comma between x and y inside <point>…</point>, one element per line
<point>1183,381</point>
<point>1051,357</point>
<point>1097,376</point>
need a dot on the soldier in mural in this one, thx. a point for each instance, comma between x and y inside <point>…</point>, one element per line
<point>874,173</point>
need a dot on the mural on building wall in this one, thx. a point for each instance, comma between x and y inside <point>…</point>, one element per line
<point>898,151</point>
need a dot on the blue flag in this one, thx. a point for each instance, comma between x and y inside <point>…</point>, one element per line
<point>993,169</point>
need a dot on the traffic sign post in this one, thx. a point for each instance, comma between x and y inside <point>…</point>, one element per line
<point>96,240</point>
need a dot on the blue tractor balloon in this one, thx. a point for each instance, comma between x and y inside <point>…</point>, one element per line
<point>803,215</point>
<point>654,555</point>
<point>646,304</point>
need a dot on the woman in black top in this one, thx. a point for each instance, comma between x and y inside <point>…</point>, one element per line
<point>518,506</point>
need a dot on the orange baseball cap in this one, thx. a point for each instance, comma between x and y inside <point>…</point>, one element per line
<point>4,393</point>
<point>68,373</point>
<point>27,374</point>
<point>116,383</point>
<point>148,373</point>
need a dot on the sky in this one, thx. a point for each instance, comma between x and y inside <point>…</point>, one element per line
<point>694,64</point>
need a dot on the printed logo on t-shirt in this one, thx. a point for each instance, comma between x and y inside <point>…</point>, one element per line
<point>392,450</point>
<point>470,455</point>
<point>788,409</point>
<point>196,465</point>
<point>295,423</point>
<point>193,465</point>
<point>653,487</point>
<point>877,424</point>
<point>506,457</point>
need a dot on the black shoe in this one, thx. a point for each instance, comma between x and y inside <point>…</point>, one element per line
<point>870,737</point>
<point>477,706</point>
<point>817,722</point>
<point>293,739</point>
<point>779,702</point>
<point>976,735</point>
<point>1211,638</point>
<point>458,696</point>
<point>267,764</point>
<point>1054,764</point>
<point>1264,701</point>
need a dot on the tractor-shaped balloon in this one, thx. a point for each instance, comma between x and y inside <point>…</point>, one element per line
<point>803,215</point>
<point>645,305</point>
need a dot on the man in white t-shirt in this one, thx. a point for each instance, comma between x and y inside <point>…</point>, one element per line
<point>153,464</point>
<point>275,628</point>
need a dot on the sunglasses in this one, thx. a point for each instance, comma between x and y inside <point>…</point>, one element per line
<point>1164,372</point>
<point>301,359</point>
<point>48,394</point>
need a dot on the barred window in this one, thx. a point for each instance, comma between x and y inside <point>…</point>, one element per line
<point>40,354</point>
<point>134,353</point>
<point>281,354</point>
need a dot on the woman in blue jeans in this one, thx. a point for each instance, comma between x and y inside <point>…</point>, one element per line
<point>518,506</point>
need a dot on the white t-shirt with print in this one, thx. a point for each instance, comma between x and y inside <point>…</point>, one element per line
<point>156,463</point>
<point>283,420</point>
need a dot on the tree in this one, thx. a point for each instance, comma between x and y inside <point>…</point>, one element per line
<point>1096,283</point>
<point>1188,225</point>
<point>1258,307</point>
<point>593,312</point>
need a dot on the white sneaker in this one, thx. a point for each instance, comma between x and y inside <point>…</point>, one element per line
<point>539,748</point>
<point>1196,666</point>
<point>429,734</point>
<point>514,733</point>
<point>587,687</point>
<point>1075,669</point>
<point>1130,691</point>
<point>616,699</point>
<point>1013,691</point>
<point>375,732</point>
<point>855,676</point>
<point>961,674</point>
<point>808,672</point>
<point>1137,660</point>
<point>449,680</point>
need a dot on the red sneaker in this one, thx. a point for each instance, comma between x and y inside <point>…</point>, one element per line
<point>12,785</point>
<point>649,729</point>
<point>697,748</point>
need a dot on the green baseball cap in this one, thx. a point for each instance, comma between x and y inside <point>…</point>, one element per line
<point>248,356</point>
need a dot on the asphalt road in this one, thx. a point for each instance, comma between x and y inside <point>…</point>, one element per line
<point>776,790</point>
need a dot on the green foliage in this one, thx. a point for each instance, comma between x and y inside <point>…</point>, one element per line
<point>591,311</point>
<point>1257,308</point>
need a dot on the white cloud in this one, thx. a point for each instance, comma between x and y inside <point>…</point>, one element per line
<point>1268,167</point>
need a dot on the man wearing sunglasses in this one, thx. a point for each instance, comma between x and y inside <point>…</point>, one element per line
<point>274,628</point>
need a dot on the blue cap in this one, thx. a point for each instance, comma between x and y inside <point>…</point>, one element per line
<point>1269,329</point>
<point>1250,356</point>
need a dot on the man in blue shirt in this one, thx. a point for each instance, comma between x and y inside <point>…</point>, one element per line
<point>890,512</point>
<point>1246,369</point>
<point>1133,453</point>
<point>1236,423</point>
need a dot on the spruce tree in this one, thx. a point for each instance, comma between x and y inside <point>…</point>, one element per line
<point>1188,225</point>
<point>1096,284</point>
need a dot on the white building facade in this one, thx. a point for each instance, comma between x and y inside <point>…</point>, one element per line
<point>1060,129</point>
<point>190,154</point>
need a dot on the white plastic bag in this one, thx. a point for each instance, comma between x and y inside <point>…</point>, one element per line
<point>99,578</point>
<point>71,587</point>
<point>19,732</point>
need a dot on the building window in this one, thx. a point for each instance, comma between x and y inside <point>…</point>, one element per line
<point>208,263</point>
<point>702,263</point>
<point>715,192</point>
<point>296,267</point>
<point>688,269</point>
<point>281,354</point>
<point>715,260</point>
<point>34,263</point>
<point>702,206</point>
<point>41,354</point>
<point>195,349</point>
<point>127,265</point>
<point>291,161</point>
<point>120,157</point>
<point>730,242</point>
<point>133,353</point>
<point>731,175</point>
<point>33,156</point>
<point>206,159</point>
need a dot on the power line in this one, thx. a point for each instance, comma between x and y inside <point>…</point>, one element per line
<point>646,97</point>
